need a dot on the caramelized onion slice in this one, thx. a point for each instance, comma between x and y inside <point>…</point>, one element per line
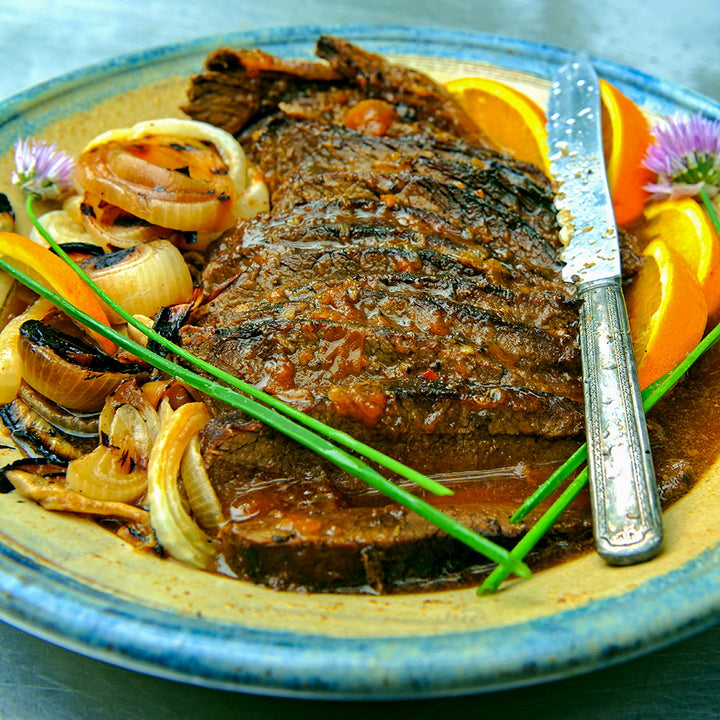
<point>115,228</point>
<point>130,434</point>
<point>10,451</point>
<point>82,425</point>
<point>142,279</point>
<point>106,474</point>
<point>66,370</point>
<point>198,489</point>
<point>144,420</point>
<point>54,496</point>
<point>176,530</point>
<point>36,436</point>
<point>178,174</point>
<point>62,227</point>
<point>227,147</point>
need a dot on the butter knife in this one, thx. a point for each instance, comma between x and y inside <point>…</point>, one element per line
<point>626,510</point>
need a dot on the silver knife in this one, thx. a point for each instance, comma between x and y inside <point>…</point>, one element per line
<point>626,509</point>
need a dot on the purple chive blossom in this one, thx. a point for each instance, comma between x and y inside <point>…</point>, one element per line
<point>686,160</point>
<point>685,156</point>
<point>43,170</point>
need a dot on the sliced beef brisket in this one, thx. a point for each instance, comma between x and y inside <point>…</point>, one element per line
<point>405,288</point>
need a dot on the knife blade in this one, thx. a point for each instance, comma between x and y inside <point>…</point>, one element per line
<point>627,519</point>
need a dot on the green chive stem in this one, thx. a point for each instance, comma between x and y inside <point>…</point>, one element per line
<point>551,484</point>
<point>529,541</point>
<point>285,425</point>
<point>318,426</point>
<point>651,396</point>
<point>710,209</point>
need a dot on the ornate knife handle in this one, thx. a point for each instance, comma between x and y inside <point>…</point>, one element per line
<point>624,495</point>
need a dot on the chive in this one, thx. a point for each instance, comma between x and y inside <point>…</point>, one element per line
<point>710,209</point>
<point>285,425</point>
<point>651,396</point>
<point>334,434</point>
<point>551,484</point>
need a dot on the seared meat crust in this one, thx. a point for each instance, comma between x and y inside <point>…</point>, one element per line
<point>405,288</point>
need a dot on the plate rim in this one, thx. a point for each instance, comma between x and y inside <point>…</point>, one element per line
<point>49,604</point>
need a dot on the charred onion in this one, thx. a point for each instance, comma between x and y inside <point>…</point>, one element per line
<point>66,370</point>
<point>172,173</point>
<point>142,279</point>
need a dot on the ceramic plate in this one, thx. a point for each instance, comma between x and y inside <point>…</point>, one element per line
<point>70,582</point>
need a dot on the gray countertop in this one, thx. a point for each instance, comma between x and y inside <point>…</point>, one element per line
<point>678,42</point>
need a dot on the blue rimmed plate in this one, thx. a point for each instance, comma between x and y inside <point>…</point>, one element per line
<point>68,581</point>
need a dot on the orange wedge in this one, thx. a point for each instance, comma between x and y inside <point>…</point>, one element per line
<point>684,226</point>
<point>626,138</point>
<point>667,312</point>
<point>513,122</point>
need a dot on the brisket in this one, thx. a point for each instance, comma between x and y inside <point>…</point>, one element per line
<point>240,87</point>
<point>319,147</point>
<point>405,288</point>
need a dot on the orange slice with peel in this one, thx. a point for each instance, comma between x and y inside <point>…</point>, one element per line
<point>685,227</point>
<point>48,268</point>
<point>667,312</point>
<point>513,122</point>
<point>626,138</point>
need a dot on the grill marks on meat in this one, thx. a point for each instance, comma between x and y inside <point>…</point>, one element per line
<point>282,353</point>
<point>404,288</point>
<point>313,146</point>
<point>442,206</point>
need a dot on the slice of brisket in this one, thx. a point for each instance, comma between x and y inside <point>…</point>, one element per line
<point>404,288</point>
<point>240,87</point>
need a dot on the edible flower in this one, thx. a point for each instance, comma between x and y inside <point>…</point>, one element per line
<point>43,170</point>
<point>686,159</point>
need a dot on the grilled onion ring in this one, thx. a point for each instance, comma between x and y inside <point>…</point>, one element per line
<point>178,181</point>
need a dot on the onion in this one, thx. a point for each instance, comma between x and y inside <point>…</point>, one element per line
<point>177,532</point>
<point>198,489</point>
<point>226,145</point>
<point>166,172</point>
<point>83,425</point>
<point>124,411</point>
<point>117,470</point>
<point>177,179</point>
<point>36,435</point>
<point>134,334</point>
<point>130,434</point>
<point>115,228</point>
<point>171,393</point>
<point>10,362</point>
<point>9,450</point>
<point>82,387</point>
<point>105,474</point>
<point>63,229</point>
<point>142,279</point>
